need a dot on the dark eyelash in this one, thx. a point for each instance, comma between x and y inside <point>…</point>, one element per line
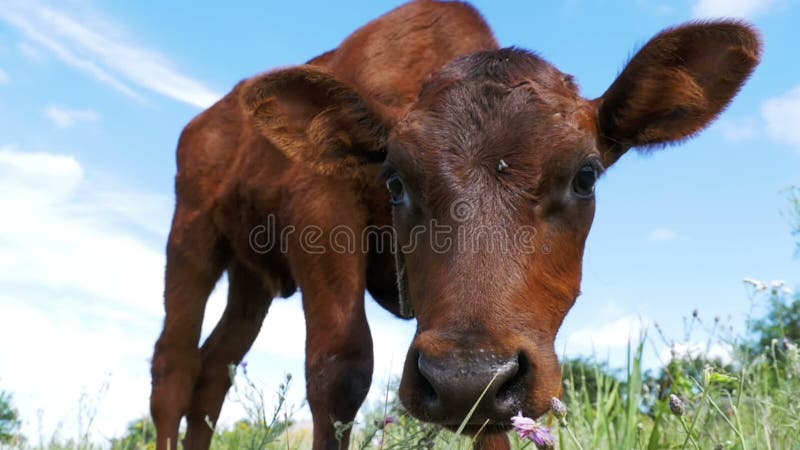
<point>598,165</point>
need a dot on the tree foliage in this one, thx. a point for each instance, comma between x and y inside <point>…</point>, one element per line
<point>781,324</point>
<point>9,419</point>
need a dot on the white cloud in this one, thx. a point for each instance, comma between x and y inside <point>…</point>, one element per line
<point>778,121</point>
<point>31,52</point>
<point>98,46</point>
<point>65,117</point>
<point>69,350</point>
<point>35,175</point>
<point>613,335</point>
<point>4,78</point>
<point>781,117</point>
<point>285,319</point>
<point>715,351</point>
<point>63,52</point>
<point>741,130</point>
<point>731,8</point>
<point>84,294</point>
<point>55,236</point>
<point>662,234</point>
<point>280,348</point>
<point>286,323</point>
<point>80,290</point>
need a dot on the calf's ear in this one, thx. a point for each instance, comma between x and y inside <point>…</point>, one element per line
<point>316,119</point>
<point>676,85</point>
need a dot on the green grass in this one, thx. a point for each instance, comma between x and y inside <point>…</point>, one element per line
<point>749,403</point>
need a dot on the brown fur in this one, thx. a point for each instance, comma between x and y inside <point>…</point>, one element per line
<point>305,145</point>
<point>511,105</point>
<point>252,155</point>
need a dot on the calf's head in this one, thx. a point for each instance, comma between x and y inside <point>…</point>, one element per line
<point>491,174</point>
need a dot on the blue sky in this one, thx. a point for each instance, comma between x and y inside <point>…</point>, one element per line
<point>94,94</point>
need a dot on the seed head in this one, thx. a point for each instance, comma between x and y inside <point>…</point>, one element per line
<point>558,408</point>
<point>676,405</point>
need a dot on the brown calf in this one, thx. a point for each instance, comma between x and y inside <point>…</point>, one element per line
<point>235,175</point>
<point>490,175</point>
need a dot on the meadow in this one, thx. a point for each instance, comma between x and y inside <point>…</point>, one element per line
<point>747,402</point>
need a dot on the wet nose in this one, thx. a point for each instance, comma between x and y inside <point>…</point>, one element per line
<point>453,384</point>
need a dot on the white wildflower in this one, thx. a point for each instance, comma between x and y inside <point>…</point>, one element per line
<point>757,285</point>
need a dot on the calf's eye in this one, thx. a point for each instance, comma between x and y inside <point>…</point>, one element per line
<point>583,183</point>
<point>396,189</point>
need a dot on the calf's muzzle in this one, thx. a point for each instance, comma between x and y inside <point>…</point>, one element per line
<point>451,385</point>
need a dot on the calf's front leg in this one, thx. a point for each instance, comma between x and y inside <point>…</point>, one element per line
<point>338,348</point>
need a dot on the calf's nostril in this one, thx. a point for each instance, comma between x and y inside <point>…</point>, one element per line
<point>513,386</point>
<point>433,377</point>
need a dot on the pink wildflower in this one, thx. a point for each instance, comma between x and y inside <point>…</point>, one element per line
<point>386,421</point>
<point>527,428</point>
